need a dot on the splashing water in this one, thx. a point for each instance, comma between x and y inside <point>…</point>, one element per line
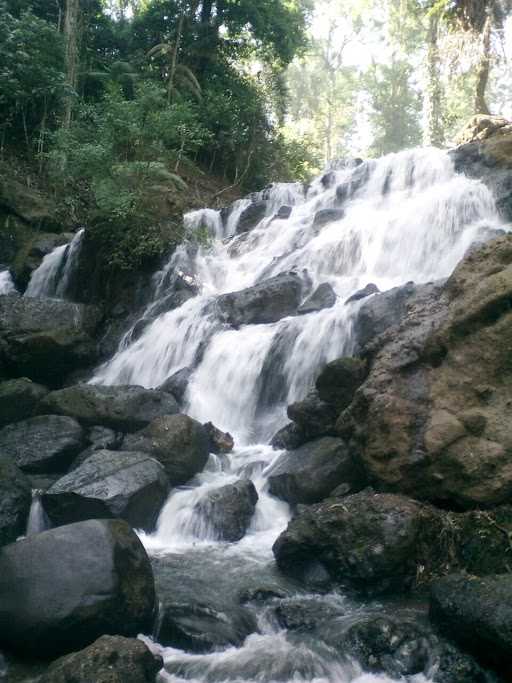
<point>52,278</point>
<point>6,284</point>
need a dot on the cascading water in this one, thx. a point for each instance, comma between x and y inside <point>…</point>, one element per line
<point>405,217</point>
<point>6,284</point>
<point>52,278</point>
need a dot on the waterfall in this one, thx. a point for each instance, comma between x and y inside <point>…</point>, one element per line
<point>6,283</point>
<point>37,519</point>
<point>52,278</point>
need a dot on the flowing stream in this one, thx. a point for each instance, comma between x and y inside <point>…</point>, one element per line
<point>405,217</point>
<point>52,278</point>
<point>6,284</point>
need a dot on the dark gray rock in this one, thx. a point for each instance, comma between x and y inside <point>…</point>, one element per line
<point>228,510</point>
<point>218,441</point>
<point>288,437</point>
<point>102,438</point>
<point>326,216</point>
<point>265,302</point>
<point>62,589</point>
<point>127,408</point>
<point>19,399</point>
<point>313,416</point>
<point>43,444</point>
<point>363,293</point>
<point>110,659</point>
<point>177,441</point>
<point>324,296</point>
<point>477,613</point>
<point>284,212</point>
<point>358,178</point>
<point>177,384</point>
<point>339,380</point>
<point>251,216</point>
<point>46,339</point>
<point>132,486</point>
<point>309,474</point>
<point>15,500</point>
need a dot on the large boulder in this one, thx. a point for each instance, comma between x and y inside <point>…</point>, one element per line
<point>324,296</point>
<point>110,659</point>
<point>19,399</point>
<point>251,216</point>
<point>363,293</point>
<point>63,588</point>
<point>432,418</point>
<point>326,216</point>
<point>46,339</point>
<point>15,500</point>
<point>309,474</point>
<point>132,486</point>
<point>177,384</point>
<point>47,443</point>
<point>370,542</point>
<point>313,416</point>
<point>338,381</point>
<point>228,510</point>
<point>127,408</point>
<point>477,613</point>
<point>177,441</point>
<point>219,442</point>
<point>265,302</point>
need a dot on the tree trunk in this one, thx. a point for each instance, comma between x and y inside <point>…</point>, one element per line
<point>483,69</point>
<point>433,134</point>
<point>174,58</point>
<point>71,43</point>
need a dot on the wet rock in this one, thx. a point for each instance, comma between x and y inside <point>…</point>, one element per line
<point>218,441</point>
<point>63,588</point>
<point>326,216</point>
<point>15,500</point>
<point>265,302</point>
<point>309,474</point>
<point>476,612</point>
<point>363,293</point>
<point>178,442</point>
<point>228,510</point>
<point>46,339</point>
<point>338,381</point>
<point>19,399</point>
<point>127,408</point>
<point>132,486</point>
<point>307,613</point>
<point>251,216</point>
<point>102,438</point>
<point>43,444</point>
<point>31,255</point>
<point>313,416</point>
<point>177,384</point>
<point>284,212</point>
<point>110,659</point>
<point>370,542</point>
<point>289,437</point>
<point>358,178</point>
<point>324,296</point>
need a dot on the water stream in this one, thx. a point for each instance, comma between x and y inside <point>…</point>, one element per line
<point>409,218</point>
<point>6,284</point>
<point>52,278</point>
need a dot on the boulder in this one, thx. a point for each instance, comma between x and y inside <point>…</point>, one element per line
<point>338,381</point>
<point>19,399</point>
<point>177,441</point>
<point>357,179</point>
<point>313,416</point>
<point>177,384</point>
<point>265,302</point>
<point>251,216</point>
<point>326,216</point>
<point>103,438</point>
<point>310,473</point>
<point>15,500</point>
<point>218,441</point>
<point>477,613</point>
<point>370,542</point>
<point>110,659</point>
<point>43,444</point>
<point>127,408</point>
<point>288,437</point>
<point>284,212</point>
<point>363,293</point>
<point>132,486</point>
<point>324,296</point>
<point>228,510</point>
<point>62,589</point>
<point>46,339</point>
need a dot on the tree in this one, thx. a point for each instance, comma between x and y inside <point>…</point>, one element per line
<point>71,44</point>
<point>433,132</point>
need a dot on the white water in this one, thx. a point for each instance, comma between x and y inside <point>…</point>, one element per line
<point>6,283</point>
<point>413,220</point>
<point>37,519</point>
<point>52,278</point>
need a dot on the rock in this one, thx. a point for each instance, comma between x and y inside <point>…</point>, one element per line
<point>218,441</point>
<point>46,339</point>
<point>309,474</point>
<point>476,612</point>
<point>284,212</point>
<point>324,296</point>
<point>227,511</point>
<point>15,500</point>
<point>251,216</point>
<point>110,659</point>
<point>288,437</point>
<point>63,588</point>
<point>127,408</point>
<point>370,542</point>
<point>132,486</point>
<point>432,419</point>
<point>26,203</point>
<point>19,399</point>
<point>357,179</point>
<point>31,255</point>
<point>339,380</point>
<point>265,302</point>
<point>177,441</point>
<point>481,127</point>
<point>313,416</point>
<point>103,438</point>
<point>43,444</point>
<point>326,216</point>
<point>177,384</point>
<point>306,612</point>
<point>363,293</point>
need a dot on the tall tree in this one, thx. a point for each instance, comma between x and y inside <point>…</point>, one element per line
<point>433,131</point>
<point>71,47</point>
